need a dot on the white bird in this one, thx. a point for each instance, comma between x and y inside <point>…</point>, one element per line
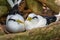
<point>14,21</point>
<point>36,21</point>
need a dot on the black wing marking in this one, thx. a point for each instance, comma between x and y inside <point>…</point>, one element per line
<point>50,19</point>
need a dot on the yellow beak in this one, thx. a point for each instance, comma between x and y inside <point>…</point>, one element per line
<point>29,18</point>
<point>19,21</point>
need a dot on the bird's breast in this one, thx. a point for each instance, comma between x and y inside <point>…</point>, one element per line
<point>14,26</point>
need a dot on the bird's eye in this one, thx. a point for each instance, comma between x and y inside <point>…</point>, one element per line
<point>35,17</point>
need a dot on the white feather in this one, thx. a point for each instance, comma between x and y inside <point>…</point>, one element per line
<point>18,2</point>
<point>58,17</point>
<point>15,1</point>
<point>17,16</point>
<point>11,3</point>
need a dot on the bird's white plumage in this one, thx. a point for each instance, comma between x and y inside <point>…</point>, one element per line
<point>35,23</point>
<point>15,1</point>
<point>32,15</point>
<point>17,16</point>
<point>11,3</point>
<point>14,26</point>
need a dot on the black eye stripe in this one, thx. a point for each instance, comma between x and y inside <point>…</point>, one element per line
<point>12,20</point>
<point>35,17</point>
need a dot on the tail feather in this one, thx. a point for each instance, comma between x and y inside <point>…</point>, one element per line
<point>59,14</point>
<point>15,1</point>
<point>18,2</point>
<point>11,3</point>
<point>58,17</point>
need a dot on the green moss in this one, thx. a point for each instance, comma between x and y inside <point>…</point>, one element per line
<point>3,10</point>
<point>35,6</point>
<point>3,2</point>
<point>51,4</point>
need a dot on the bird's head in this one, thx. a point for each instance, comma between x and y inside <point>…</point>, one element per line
<point>31,16</point>
<point>18,21</point>
<point>16,18</point>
